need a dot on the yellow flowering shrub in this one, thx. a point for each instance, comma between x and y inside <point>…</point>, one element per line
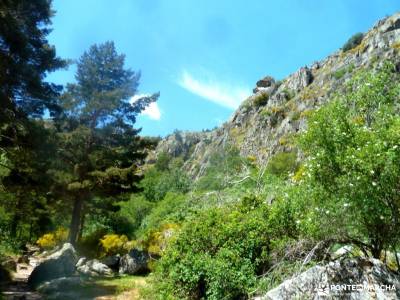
<point>300,173</point>
<point>157,241</point>
<point>112,244</point>
<point>53,239</point>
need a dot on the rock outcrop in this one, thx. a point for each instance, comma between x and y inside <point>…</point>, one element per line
<point>59,264</point>
<point>93,268</point>
<point>135,262</point>
<point>261,129</point>
<point>357,279</point>
<point>267,84</point>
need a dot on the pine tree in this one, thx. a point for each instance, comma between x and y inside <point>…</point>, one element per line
<point>100,151</point>
<point>25,59</point>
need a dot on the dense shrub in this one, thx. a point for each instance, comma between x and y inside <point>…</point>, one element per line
<point>222,166</point>
<point>112,244</point>
<point>353,162</point>
<point>53,239</point>
<point>217,255</point>
<point>282,163</point>
<point>169,210</point>
<point>156,184</point>
<point>261,99</point>
<point>353,42</point>
<point>135,210</point>
<point>157,240</point>
<point>89,244</point>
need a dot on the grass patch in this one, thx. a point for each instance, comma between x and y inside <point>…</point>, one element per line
<point>343,71</point>
<point>122,284</point>
<point>124,287</point>
<point>396,45</point>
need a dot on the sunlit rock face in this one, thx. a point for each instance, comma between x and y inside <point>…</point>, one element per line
<point>356,279</point>
<point>259,129</point>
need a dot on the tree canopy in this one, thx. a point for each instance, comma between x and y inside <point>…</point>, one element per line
<point>99,150</point>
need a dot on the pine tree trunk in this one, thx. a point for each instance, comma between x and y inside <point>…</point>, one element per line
<point>81,226</point>
<point>75,220</point>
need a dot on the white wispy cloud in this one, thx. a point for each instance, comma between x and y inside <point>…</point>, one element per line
<point>152,110</point>
<point>224,94</point>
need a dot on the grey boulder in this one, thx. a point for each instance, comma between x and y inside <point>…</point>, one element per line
<point>356,279</point>
<point>61,288</point>
<point>135,262</point>
<point>93,268</point>
<point>112,262</point>
<point>59,264</point>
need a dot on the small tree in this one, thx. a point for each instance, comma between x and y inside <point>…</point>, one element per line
<point>353,151</point>
<point>99,149</point>
<point>353,42</point>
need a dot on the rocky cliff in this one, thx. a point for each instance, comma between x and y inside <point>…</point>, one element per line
<point>356,279</point>
<point>266,122</point>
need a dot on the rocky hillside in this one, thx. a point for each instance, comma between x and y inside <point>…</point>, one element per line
<point>266,121</point>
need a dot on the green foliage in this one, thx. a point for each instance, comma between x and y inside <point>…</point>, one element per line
<point>163,162</point>
<point>288,93</point>
<point>261,99</point>
<point>169,210</point>
<point>221,167</point>
<point>283,163</point>
<point>25,142</point>
<point>26,57</point>
<point>352,146</point>
<point>295,115</point>
<point>339,73</point>
<point>353,42</point>
<point>343,71</point>
<point>217,254</point>
<point>89,244</point>
<point>157,183</point>
<point>135,210</point>
<point>99,150</point>
<point>157,241</point>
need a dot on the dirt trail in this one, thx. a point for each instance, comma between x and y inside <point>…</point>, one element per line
<point>18,288</point>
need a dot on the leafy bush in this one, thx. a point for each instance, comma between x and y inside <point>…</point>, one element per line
<point>156,184</point>
<point>339,73</point>
<point>89,244</point>
<point>282,163</point>
<point>353,158</point>
<point>353,42</point>
<point>261,99</point>
<point>169,210</point>
<point>288,93</point>
<point>135,210</point>
<point>53,239</point>
<point>157,240</point>
<point>222,165</point>
<point>343,71</point>
<point>216,255</point>
<point>163,161</point>
<point>112,244</point>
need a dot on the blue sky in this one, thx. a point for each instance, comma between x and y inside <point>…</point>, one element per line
<point>205,56</point>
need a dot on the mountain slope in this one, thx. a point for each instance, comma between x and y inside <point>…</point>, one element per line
<point>266,121</point>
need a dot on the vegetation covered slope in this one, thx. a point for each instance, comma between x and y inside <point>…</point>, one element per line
<point>305,165</point>
<point>241,230</point>
<point>265,122</point>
